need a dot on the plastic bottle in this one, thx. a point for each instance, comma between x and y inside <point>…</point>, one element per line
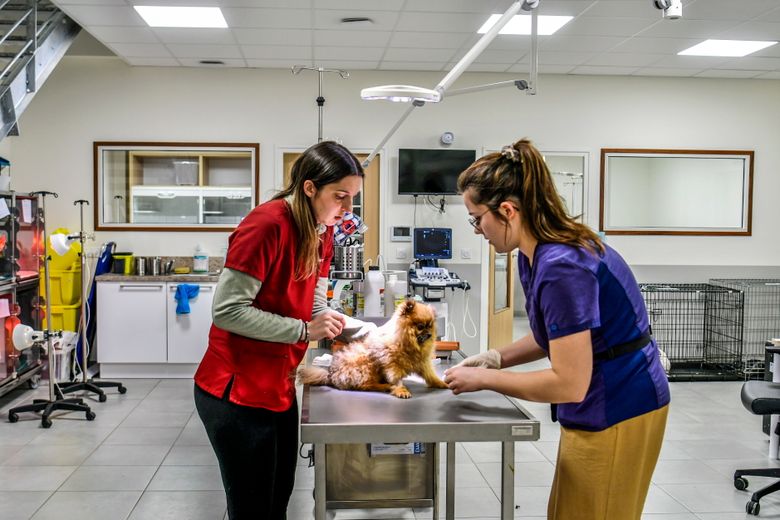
<point>395,293</point>
<point>360,303</point>
<point>200,261</point>
<point>373,289</point>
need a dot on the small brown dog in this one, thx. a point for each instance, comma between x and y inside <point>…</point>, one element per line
<point>402,346</point>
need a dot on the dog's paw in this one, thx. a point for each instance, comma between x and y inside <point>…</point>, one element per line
<point>438,383</point>
<point>401,392</point>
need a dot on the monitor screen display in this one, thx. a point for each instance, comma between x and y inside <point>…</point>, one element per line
<point>431,172</point>
<point>433,243</point>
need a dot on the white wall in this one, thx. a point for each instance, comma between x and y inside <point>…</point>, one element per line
<point>98,98</point>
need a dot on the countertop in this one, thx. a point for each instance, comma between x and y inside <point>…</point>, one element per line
<point>166,278</point>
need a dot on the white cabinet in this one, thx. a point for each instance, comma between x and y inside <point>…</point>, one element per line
<point>139,333</point>
<point>188,334</point>
<point>131,323</point>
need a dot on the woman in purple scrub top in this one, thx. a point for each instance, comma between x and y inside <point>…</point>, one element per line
<point>587,316</point>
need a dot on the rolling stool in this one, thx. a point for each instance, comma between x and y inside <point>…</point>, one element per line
<point>761,398</point>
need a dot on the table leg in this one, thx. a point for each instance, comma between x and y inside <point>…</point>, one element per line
<point>450,500</point>
<point>320,501</point>
<point>507,480</point>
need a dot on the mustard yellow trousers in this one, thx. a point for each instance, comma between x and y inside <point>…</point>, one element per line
<point>605,475</point>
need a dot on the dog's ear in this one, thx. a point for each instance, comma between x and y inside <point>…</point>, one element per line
<point>407,307</point>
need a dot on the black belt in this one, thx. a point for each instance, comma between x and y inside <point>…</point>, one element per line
<point>624,348</point>
<point>611,353</point>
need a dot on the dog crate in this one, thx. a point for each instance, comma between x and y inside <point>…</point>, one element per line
<point>761,318</point>
<point>699,327</point>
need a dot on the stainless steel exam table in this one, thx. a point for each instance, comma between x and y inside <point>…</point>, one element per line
<point>331,416</point>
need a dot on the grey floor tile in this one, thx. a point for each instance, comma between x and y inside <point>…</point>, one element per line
<point>7,452</point>
<point>178,505</point>
<point>526,474</point>
<point>90,436</point>
<point>183,455</point>
<point>88,505</point>
<point>139,418</point>
<point>21,505</point>
<point>193,435</point>
<point>37,478</point>
<point>167,405</point>
<point>109,478</point>
<point>684,472</point>
<point>119,455</point>
<point>720,497</point>
<point>50,455</point>
<point>143,436</point>
<point>187,478</point>
<point>675,516</point>
<point>660,502</point>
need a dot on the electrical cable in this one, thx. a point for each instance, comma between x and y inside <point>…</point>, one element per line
<point>466,314</point>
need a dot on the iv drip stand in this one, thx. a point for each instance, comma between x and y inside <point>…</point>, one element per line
<point>86,383</point>
<point>296,69</point>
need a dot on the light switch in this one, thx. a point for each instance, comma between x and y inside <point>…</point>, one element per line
<point>465,253</point>
<point>401,253</point>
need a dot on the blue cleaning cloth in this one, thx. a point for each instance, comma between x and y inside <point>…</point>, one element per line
<point>183,294</point>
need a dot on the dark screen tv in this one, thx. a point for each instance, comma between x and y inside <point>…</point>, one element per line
<point>431,172</point>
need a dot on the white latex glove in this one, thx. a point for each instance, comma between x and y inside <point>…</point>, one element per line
<point>489,359</point>
<point>664,361</point>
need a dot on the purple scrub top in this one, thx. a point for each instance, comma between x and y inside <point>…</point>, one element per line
<point>569,289</point>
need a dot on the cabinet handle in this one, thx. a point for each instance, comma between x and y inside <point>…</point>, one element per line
<point>140,287</point>
<point>166,195</point>
<point>202,288</point>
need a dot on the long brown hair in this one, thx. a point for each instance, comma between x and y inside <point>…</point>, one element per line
<point>323,163</point>
<point>519,174</point>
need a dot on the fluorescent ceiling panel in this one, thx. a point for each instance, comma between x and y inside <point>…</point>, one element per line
<point>521,24</point>
<point>196,17</point>
<point>727,48</point>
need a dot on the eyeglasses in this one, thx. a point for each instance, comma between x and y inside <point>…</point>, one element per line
<point>475,221</point>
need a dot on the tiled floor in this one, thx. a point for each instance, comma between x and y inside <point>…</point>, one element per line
<point>146,457</point>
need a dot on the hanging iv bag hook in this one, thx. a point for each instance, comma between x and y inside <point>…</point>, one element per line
<point>296,69</point>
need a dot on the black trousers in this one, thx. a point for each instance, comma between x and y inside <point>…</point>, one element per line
<point>256,449</point>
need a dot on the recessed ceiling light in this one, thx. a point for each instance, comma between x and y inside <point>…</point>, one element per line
<point>725,48</point>
<point>198,17</point>
<point>521,24</point>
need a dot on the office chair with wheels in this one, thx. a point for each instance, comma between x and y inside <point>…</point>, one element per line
<point>760,398</point>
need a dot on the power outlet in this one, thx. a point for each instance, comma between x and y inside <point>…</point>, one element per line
<point>465,253</point>
<point>401,253</point>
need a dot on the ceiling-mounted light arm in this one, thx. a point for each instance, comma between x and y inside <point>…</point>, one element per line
<point>412,106</point>
<point>296,69</point>
<point>480,46</point>
<point>521,84</point>
<point>531,90</point>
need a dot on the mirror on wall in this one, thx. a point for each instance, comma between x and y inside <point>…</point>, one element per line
<point>676,192</point>
<point>174,186</point>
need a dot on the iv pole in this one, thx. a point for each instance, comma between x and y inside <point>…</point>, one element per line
<point>55,400</point>
<point>86,384</point>
<point>296,69</point>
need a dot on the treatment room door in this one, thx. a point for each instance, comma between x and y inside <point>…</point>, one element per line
<point>501,282</point>
<point>366,204</point>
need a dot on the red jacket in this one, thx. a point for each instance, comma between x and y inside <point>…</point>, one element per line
<point>264,246</point>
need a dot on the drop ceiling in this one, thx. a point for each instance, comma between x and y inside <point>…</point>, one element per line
<point>606,37</point>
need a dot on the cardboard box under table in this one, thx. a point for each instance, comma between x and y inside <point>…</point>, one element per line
<point>373,450</point>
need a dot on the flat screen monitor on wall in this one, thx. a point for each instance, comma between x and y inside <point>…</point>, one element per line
<point>432,243</point>
<point>431,172</point>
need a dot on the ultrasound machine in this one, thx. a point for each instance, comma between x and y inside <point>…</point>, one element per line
<point>430,246</point>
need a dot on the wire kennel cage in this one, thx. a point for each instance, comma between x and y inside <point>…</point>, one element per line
<point>761,318</point>
<point>699,327</point>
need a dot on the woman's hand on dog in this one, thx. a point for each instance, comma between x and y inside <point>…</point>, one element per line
<point>464,379</point>
<point>326,325</point>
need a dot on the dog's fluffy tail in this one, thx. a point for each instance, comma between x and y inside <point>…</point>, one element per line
<point>313,376</point>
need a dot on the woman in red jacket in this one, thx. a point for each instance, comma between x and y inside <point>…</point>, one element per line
<point>269,303</point>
